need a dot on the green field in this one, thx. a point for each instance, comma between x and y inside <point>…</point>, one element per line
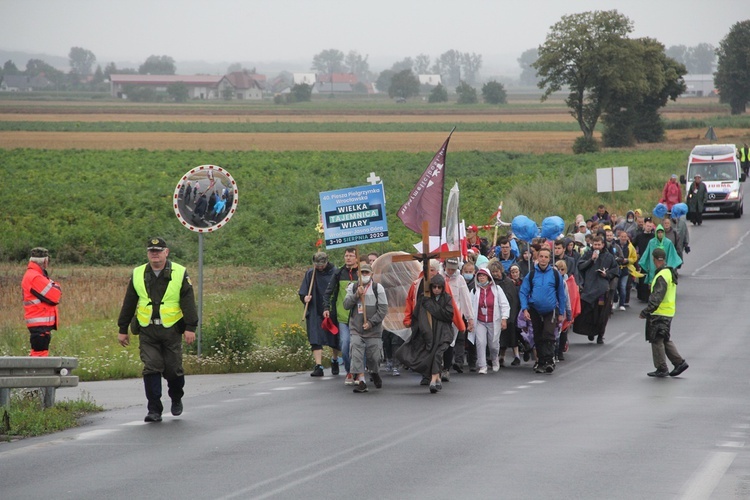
<point>96,207</point>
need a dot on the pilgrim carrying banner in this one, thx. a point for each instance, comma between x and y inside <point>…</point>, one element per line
<point>354,216</point>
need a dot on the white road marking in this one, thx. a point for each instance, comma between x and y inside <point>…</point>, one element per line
<point>306,383</point>
<point>287,388</point>
<point>739,244</point>
<point>135,422</point>
<point>237,400</point>
<point>96,434</point>
<point>705,480</point>
<point>731,444</point>
<point>537,382</point>
<point>741,426</point>
<point>261,394</point>
<point>509,392</point>
<point>523,387</point>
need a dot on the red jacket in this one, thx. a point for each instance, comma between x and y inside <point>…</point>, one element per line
<point>671,194</point>
<point>40,298</point>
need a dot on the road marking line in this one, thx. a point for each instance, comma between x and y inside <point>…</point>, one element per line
<point>731,444</point>
<point>96,434</point>
<point>705,480</point>
<point>238,400</point>
<point>523,387</point>
<point>261,394</point>
<point>284,388</point>
<point>537,382</point>
<point>305,383</point>
<point>741,426</point>
<point>135,422</point>
<point>736,434</point>
<point>509,392</point>
<point>721,257</point>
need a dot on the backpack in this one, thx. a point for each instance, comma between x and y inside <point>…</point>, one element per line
<point>531,278</point>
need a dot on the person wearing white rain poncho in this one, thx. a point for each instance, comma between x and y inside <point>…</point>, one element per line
<point>491,311</point>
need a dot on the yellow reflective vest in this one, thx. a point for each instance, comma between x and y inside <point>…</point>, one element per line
<point>667,306</point>
<point>169,311</point>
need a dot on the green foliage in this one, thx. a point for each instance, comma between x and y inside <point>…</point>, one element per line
<point>466,94</point>
<point>290,336</point>
<point>493,92</point>
<point>81,61</point>
<point>732,77</point>
<point>438,94</point>
<point>227,333</point>
<point>28,417</point>
<point>584,145</point>
<point>179,92</point>
<point>302,92</point>
<point>404,84</point>
<point>328,61</point>
<point>137,93</point>
<point>158,65</point>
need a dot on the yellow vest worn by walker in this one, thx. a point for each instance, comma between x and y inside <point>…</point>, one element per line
<point>169,311</point>
<point>667,306</point>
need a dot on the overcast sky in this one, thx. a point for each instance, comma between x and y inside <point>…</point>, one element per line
<point>262,31</point>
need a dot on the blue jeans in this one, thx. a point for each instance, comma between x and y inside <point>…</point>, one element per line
<point>345,341</point>
<point>622,286</point>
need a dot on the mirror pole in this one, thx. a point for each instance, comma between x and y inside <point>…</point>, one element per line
<point>200,290</point>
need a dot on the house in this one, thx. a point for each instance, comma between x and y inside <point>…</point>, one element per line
<point>22,83</point>
<point>243,85</point>
<point>699,85</point>
<point>199,86</point>
<point>432,80</point>
<point>306,78</point>
<point>336,83</point>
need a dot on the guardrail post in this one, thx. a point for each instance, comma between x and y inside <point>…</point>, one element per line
<point>5,398</point>
<point>48,396</point>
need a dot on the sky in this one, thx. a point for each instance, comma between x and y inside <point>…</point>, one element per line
<point>291,32</point>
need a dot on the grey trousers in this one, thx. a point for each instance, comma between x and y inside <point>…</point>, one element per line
<point>661,350</point>
<point>370,347</point>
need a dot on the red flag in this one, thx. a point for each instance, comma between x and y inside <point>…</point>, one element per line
<point>425,202</point>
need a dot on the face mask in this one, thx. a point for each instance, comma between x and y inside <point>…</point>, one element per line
<point>468,276</point>
<point>482,285</point>
<point>365,279</point>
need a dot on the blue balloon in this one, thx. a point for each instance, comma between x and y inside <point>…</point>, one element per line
<point>660,210</point>
<point>524,228</point>
<point>552,227</point>
<point>679,210</point>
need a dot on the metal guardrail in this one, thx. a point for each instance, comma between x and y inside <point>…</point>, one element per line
<point>19,372</point>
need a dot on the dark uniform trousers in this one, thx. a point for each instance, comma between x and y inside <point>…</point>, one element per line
<point>161,353</point>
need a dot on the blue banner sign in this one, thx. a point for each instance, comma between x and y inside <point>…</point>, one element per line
<point>354,216</point>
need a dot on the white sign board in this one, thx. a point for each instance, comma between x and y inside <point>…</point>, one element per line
<point>612,179</point>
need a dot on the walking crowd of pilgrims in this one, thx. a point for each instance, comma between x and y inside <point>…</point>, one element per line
<point>508,303</point>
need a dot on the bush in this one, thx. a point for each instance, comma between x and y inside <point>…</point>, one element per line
<point>292,337</point>
<point>466,94</point>
<point>494,93</point>
<point>227,335</point>
<point>585,145</point>
<point>438,94</point>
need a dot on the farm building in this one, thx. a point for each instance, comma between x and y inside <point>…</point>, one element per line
<point>699,85</point>
<point>243,85</point>
<point>199,86</point>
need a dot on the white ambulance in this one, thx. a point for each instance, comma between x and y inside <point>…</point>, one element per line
<point>720,169</point>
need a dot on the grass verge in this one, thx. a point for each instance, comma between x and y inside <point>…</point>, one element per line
<point>27,417</point>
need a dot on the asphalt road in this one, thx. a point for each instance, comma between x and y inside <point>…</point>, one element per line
<point>598,428</point>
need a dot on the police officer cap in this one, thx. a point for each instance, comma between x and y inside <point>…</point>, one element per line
<point>39,252</point>
<point>659,254</point>
<point>156,244</point>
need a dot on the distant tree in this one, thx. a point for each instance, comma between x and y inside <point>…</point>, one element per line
<point>97,81</point>
<point>494,93</point>
<point>438,94</point>
<point>358,65</point>
<point>37,67</point>
<point>405,63</point>
<point>470,64</point>
<point>528,72</point>
<point>578,54</point>
<point>404,84</point>
<point>9,68</point>
<point>234,68</point>
<point>701,59</point>
<point>328,61</point>
<point>112,69</point>
<point>227,93</point>
<point>383,83</point>
<point>302,92</point>
<point>679,53</point>
<point>81,61</point>
<point>178,92</point>
<point>421,64</point>
<point>448,66</point>
<point>158,65</point>
<point>359,88</point>
<point>466,93</point>
<point>138,93</point>
<point>732,76</point>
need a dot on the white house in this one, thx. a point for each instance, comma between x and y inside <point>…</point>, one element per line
<point>433,80</point>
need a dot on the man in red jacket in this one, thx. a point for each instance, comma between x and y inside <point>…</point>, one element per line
<point>40,298</point>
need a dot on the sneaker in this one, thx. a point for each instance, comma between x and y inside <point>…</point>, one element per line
<point>538,368</point>
<point>334,367</point>
<point>439,385</point>
<point>549,368</point>
<point>600,340</point>
<point>526,355</point>
<point>375,377</point>
<point>359,386</point>
<point>445,376</point>
<point>472,368</point>
<point>425,381</point>
<point>622,308</point>
<point>515,362</point>
<point>679,369</point>
<point>152,417</point>
<point>349,380</point>
<point>433,389</point>
<point>177,407</point>
<point>483,370</point>
<point>389,366</point>
<point>395,371</point>
<point>458,368</point>
<point>495,366</point>
<point>658,373</point>
<point>317,371</point>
